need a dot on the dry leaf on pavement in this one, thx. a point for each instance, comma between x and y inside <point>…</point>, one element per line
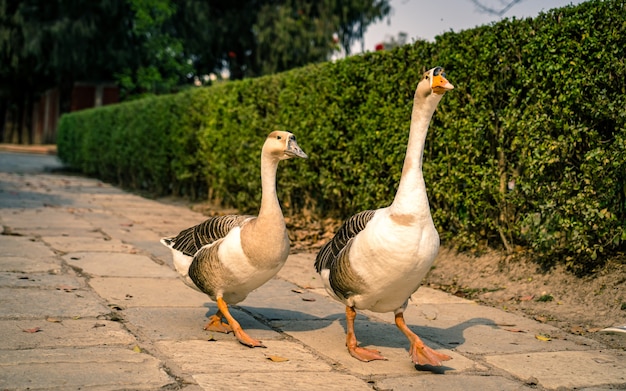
<point>276,358</point>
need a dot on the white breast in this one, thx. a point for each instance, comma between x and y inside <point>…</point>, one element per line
<point>248,278</point>
<point>392,259</point>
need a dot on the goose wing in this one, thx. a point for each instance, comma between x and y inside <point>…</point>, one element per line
<point>334,257</point>
<point>192,239</point>
<point>350,228</point>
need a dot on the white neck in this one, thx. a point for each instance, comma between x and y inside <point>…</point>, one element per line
<point>411,195</point>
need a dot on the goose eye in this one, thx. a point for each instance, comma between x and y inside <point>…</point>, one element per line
<point>278,137</point>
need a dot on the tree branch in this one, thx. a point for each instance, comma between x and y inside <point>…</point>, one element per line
<point>494,11</point>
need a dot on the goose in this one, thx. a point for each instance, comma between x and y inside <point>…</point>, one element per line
<point>378,258</point>
<point>227,257</point>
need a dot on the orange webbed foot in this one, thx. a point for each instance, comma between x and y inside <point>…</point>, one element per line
<point>215,324</point>
<point>364,354</point>
<point>247,340</point>
<point>427,356</point>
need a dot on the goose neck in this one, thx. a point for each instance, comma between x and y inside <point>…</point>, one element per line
<point>412,189</point>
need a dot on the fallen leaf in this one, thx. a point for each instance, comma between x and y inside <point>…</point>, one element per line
<point>137,349</point>
<point>297,291</point>
<point>307,299</point>
<point>33,330</point>
<point>76,317</point>
<point>527,298</point>
<point>277,358</point>
<point>53,320</point>
<point>211,338</point>
<point>515,330</point>
<point>541,319</point>
<point>542,337</point>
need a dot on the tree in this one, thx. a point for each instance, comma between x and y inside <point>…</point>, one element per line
<point>158,46</point>
<point>355,16</point>
<point>502,9</point>
<point>160,63</point>
<point>293,34</point>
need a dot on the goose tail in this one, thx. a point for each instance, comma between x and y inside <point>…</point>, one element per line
<point>168,242</point>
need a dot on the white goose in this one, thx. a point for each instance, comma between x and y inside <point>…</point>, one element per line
<point>227,257</point>
<point>378,258</point>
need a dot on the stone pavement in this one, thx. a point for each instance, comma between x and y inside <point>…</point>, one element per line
<point>89,300</point>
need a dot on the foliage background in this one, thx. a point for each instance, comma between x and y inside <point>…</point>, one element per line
<point>527,154</point>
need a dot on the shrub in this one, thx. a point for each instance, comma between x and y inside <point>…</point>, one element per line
<point>527,152</point>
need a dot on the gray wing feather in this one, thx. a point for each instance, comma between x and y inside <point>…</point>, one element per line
<point>191,240</point>
<point>334,256</point>
<point>349,229</point>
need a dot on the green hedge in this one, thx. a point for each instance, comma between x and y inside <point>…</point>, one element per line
<point>528,153</point>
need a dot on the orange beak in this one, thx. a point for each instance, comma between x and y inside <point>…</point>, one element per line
<point>441,85</point>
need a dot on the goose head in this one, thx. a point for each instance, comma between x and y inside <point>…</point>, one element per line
<point>283,145</point>
<point>433,82</point>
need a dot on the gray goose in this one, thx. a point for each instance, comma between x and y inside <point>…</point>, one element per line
<point>227,257</point>
<point>378,258</point>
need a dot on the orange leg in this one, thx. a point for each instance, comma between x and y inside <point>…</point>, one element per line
<point>216,324</point>
<point>241,335</point>
<point>419,352</point>
<point>357,352</point>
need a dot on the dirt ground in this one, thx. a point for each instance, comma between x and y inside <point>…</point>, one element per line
<point>581,306</point>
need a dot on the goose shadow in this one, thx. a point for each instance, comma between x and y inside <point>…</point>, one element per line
<point>278,319</point>
<point>377,333</point>
<point>371,332</point>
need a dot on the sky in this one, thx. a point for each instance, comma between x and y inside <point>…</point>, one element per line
<point>427,18</point>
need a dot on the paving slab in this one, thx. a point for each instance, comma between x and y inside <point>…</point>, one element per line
<point>224,357</point>
<point>328,339</point>
<point>63,333</point>
<point>102,368</point>
<point>452,382</point>
<point>38,303</point>
<point>25,247</point>
<point>67,244</point>
<point>148,292</point>
<point>21,264</point>
<point>51,280</point>
<point>48,221</point>
<point>300,270</point>
<point>279,380</point>
<point>188,324</point>
<point>582,369</point>
<point>492,331</point>
<point>282,300</point>
<point>116,264</point>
